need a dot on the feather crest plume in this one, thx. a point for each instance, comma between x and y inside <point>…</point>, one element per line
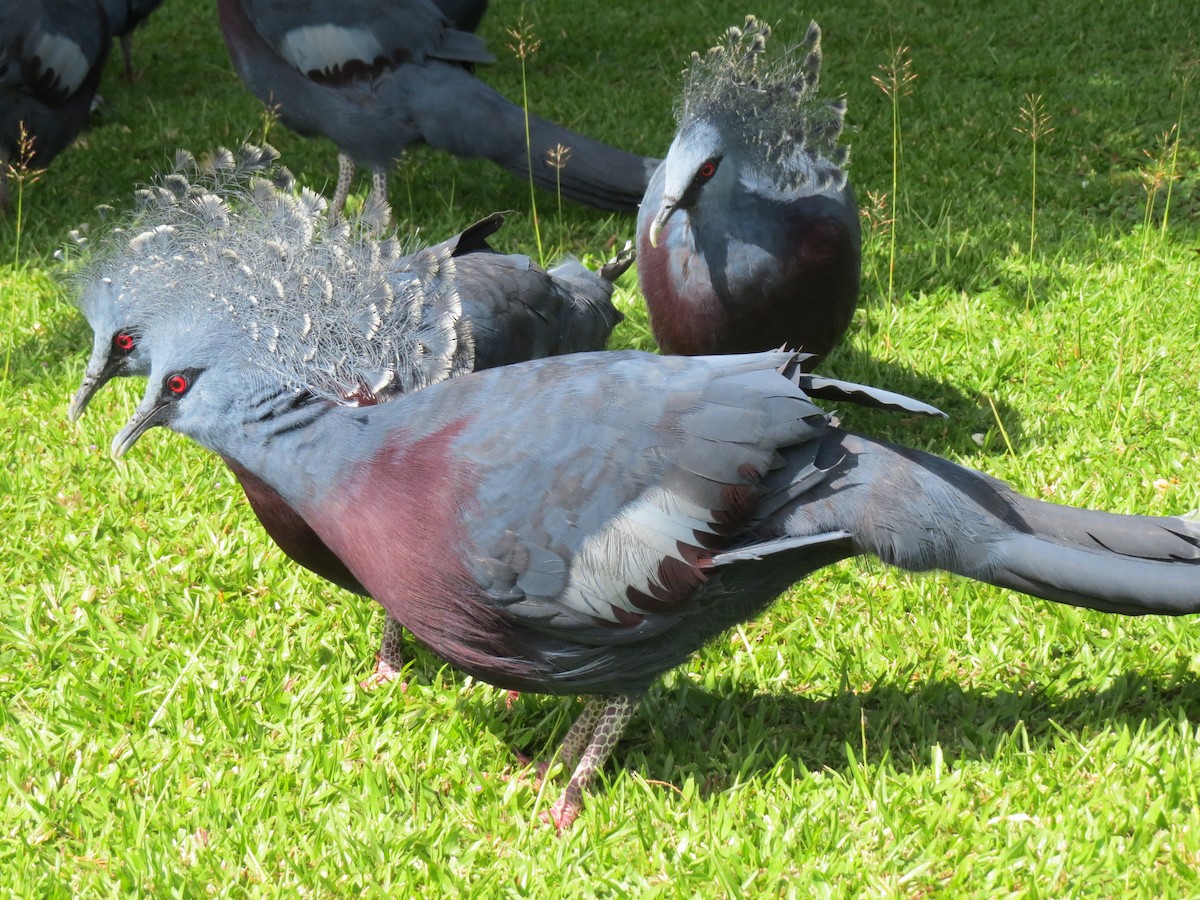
<point>771,110</point>
<point>230,247</point>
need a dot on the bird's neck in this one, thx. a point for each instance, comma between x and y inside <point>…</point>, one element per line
<point>292,441</point>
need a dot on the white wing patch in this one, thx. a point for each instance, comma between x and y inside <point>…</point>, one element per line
<point>323,48</point>
<point>627,551</point>
<point>64,57</point>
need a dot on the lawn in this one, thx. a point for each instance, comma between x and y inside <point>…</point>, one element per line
<point>181,706</point>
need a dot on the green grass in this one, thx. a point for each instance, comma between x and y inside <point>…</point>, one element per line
<point>181,713</point>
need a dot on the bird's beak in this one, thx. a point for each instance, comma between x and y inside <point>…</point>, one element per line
<point>149,414</point>
<point>94,378</point>
<point>101,369</point>
<point>87,388</point>
<point>669,205</point>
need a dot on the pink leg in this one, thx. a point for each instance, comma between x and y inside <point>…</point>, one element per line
<point>390,658</point>
<point>580,734</point>
<point>590,741</point>
<point>576,740</point>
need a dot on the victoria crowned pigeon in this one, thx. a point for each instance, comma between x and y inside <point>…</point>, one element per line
<point>52,53</point>
<point>240,209</point>
<point>582,524</point>
<point>748,236</point>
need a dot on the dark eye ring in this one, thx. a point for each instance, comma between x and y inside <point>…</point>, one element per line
<point>177,384</point>
<point>123,341</point>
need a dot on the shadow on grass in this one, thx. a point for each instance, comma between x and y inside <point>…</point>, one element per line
<point>722,740</point>
<point>967,412</point>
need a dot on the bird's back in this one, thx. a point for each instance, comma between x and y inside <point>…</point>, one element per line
<point>581,554</point>
<point>51,57</point>
<point>343,72</point>
<point>516,310</point>
<point>126,15</point>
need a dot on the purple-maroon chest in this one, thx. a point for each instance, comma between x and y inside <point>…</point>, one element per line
<point>685,312</point>
<point>750,283</point>
<point>396,520</point>
<point>288,529</point>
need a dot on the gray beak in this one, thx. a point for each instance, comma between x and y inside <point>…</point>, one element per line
<point>669,205</point>
<point>144,418</point>
<point>92,382</point>
<point>101,369</point>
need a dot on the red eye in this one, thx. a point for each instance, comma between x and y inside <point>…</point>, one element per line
<point>708,169</point>
<point>177,384</point>
<point>123,341</point>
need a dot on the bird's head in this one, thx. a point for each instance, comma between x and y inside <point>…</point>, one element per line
<point>744,120</point>
<point>163,404</point>
<point>243,344</point>
<point>692,162</point>
<point>116,340</point>
<point>126,265</point>
<point>200,370</point>
<point>246,276</point>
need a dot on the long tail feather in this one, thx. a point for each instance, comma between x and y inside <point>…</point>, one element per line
<point>918,511</point>
<point>1123,564</point>
<point>588,171</point>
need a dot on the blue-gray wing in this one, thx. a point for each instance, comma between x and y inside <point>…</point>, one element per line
<point>327,39</point>
<point>608,523</point>
<point>50,51</point>
<point>516,311</point>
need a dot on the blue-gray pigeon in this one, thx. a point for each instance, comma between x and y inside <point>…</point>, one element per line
<point>52,54</point>
<point>376,78</point>
<point>581,524</point>
<point>240,209</point>
<point>748,236</point>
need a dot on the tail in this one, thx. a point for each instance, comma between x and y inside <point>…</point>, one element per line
<point>919,511</point>
<point>473,238</point>
<point>584,170</point>
<point>456,112</point>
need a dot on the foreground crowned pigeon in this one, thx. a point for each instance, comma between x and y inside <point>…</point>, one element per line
<point>582,524</point>
<point>748,236</point>
<point>376,78</point>
<point>240,210</point>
